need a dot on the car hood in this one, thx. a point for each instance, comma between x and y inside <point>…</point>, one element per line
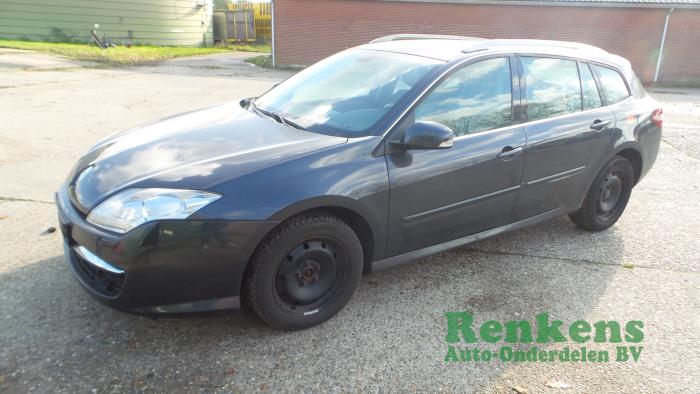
<point>196,150</point>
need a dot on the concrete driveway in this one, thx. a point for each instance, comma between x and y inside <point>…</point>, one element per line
<point>55,338</point>
<point>17,59</point>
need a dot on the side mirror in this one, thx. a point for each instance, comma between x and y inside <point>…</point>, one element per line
<point>427,135</point>
<point>246,102</point>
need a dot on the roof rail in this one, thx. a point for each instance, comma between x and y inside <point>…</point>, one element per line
<point>487,44</point>
<point>399,37</point>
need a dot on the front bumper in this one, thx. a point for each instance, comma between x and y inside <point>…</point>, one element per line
<point>170,266</point>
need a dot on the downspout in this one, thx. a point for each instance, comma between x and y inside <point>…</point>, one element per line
<point>272,11</point>
<point>661,46</point>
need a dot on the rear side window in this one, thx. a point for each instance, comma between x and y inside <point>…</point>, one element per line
<point>614,87</point>
<point>591,96</point>
<point>473,99</point>
<point>551,87</point>
<point>637,88</point>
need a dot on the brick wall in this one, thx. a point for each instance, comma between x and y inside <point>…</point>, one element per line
<point>309,30</point>
<point>681,60</point>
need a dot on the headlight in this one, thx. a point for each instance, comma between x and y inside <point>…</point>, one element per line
<point>133,207</point>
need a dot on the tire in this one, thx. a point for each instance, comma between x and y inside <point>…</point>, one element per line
<point>304,272</point>
<point>607,197</point>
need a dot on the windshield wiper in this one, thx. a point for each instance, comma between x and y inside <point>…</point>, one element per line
<point>290,123</point>
<point>277,117</point>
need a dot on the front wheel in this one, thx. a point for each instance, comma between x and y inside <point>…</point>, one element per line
<point>304,272</point>
<point>608,196</point>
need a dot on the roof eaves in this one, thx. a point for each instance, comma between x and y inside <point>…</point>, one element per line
<point>573,3</point>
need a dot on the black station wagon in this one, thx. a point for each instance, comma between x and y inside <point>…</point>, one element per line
<point>374,157</point>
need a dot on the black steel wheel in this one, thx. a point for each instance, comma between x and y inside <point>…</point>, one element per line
<point>304,272</point>
<point>609,194</point>
<point>607,197</point>
<point>310,275</point>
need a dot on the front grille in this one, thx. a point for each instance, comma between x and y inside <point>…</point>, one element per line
<point>101,281</point>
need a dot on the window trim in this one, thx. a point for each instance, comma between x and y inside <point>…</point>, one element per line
<point>526,121</point>
<point>523,85</point>
<point>597,84</point>
<point>600,84</point>
<point>580,83</point>
<point>456,67</point>
<point>514,56</point>
<point>455,71</point>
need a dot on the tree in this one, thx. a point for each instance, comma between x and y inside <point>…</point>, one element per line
<point>221,4</point>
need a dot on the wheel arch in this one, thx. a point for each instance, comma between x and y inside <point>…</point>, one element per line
<point>368,228</point>
<point>635,158</point>
<point>628,151</point>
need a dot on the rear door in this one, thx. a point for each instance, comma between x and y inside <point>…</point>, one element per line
<point>568,130</point>
<point>441,195</point>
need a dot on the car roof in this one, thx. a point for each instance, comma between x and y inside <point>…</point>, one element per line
<point>448,48</point>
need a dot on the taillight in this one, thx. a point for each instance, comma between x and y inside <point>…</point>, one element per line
<point>657,117</point>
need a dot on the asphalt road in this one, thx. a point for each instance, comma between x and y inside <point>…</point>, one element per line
<point>55,338</point>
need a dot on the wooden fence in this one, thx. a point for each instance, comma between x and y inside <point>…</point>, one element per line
<point>262,15</point>
<point>234,26</point>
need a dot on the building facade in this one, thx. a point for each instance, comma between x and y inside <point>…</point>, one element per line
<point>308,30</point>
<point>155,22</point>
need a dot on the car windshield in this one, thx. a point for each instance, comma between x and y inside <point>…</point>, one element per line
<point>348,93</point>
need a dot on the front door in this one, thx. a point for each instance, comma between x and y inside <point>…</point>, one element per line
<point>441,195</point>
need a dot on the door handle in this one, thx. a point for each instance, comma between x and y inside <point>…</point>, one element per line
<point>508,152</point>
<point>599,124</point>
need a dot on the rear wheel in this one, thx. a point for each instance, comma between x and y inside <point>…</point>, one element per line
<point>608,196</point>
<point>304,272</point>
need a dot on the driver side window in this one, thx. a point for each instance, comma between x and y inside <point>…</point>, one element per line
<point>476,98</point>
